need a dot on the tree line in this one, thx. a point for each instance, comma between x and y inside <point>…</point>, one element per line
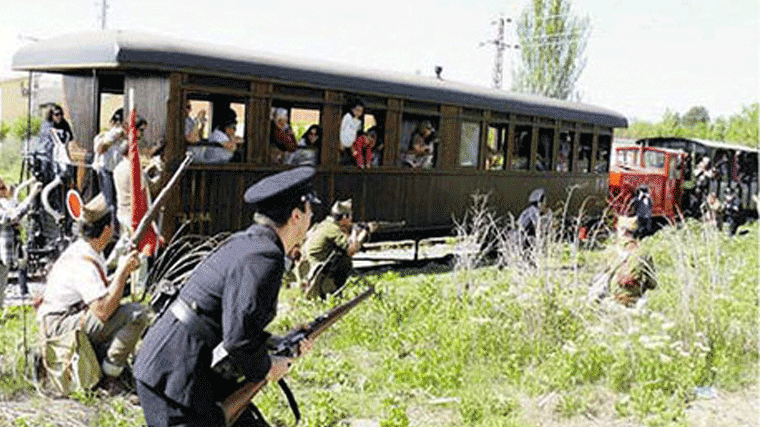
<point>739,128</point>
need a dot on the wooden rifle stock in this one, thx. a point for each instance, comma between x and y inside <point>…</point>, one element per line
<point>153,209</point>
<point>234,404</point>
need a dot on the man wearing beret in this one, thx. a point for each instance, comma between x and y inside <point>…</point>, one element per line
<point>333,237</point>
<point>79,295</point>
<point>229,298</point>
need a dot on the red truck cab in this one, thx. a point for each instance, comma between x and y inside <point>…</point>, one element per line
<point>660,169</point>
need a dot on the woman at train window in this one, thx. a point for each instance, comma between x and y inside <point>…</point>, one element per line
<point>222,142</point>
<point>309,145</point>
<point>349,129</point>
<point>281,136</point>
<point>421,147</point>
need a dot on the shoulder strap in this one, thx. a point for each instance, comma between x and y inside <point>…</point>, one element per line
<point>102,273</point>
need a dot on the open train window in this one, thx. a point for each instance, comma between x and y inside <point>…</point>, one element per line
<point>420,142</point>
<point>496,146</point>
<point>214,127</point>
<point>295,134</point>
<point>373,124</point>
<point>469,143</point>
<point>109,103</point>
<point>584,153</point>
<point>565,152</point>
<point>521,149</point>
<point>602,161</point>
<point>545,150</point>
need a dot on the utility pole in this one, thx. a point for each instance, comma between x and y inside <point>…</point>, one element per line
<point>103,14</point>
<point>501,45</point>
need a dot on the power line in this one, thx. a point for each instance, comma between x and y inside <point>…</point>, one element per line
<point>501,46</point>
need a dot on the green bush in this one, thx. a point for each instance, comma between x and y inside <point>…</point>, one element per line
<point>4,130</point>
<point>21,129</point>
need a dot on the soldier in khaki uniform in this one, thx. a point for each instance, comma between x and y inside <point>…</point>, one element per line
<point>631,273</point>
<point>328,249</point>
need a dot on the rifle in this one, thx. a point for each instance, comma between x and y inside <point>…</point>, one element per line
<point>152,211</point>
<point>286,346</point>
<point>376,226</point>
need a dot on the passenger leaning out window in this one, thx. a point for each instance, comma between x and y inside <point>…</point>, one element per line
<point>349,130</point>
<point>363,148</point>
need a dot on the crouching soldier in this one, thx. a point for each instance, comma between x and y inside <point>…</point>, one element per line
<point>78,295</point>
<point>632,271</point>
<point>328,250</point>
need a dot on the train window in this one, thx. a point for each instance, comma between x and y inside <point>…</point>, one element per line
<point>419,141</point>
<point>373,123</point>
<point>545,149</point>
<point>496,147</point>
<point>521,149</point>
<point>307,130</point>
<point>197,114</point>
<point>654,159</point>
<point>109,103</point>
<point>604,145</point>
<point>584,153</point>
<point>215,127</point>
<point>468,144</point>
<point>673,168</point>
<point>565,153</point>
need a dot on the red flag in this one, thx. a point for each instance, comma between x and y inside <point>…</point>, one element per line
<point>139,196</point>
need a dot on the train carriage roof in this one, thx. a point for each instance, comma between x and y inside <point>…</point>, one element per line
<point>670,141</point>
<point>129,50</point>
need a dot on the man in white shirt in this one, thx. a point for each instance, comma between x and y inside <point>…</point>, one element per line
<point>78,295</point>
<point>107,146</point>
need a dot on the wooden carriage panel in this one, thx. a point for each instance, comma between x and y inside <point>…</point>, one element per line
<point>449,134</point>
<point>151,102</point>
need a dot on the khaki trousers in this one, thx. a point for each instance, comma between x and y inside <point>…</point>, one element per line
<point>119,333</point>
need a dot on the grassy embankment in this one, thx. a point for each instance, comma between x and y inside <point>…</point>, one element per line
<point>432,351</point>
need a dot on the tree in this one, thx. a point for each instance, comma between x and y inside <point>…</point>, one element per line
<point>21,128</point>
<point>552,46</point>
<point>694,116</point>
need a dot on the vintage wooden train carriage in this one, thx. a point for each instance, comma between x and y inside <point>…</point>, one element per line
<point>491,141</point>
<point>735,166</point>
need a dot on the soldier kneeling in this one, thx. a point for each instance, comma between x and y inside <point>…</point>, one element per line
<point>328,249</point>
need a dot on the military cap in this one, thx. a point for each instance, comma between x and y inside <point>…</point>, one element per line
<point>342,208</point>
<point>536,196</point>
<point>95,209</point>
<point>298,182</point>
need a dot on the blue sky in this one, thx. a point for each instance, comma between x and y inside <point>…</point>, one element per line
<point>643,56</point>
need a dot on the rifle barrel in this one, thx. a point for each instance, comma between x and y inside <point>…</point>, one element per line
<point>152,210</point>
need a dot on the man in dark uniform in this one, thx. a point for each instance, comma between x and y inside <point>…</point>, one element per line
<point>642,207</point>
<point>529,219</point>
<point>229,298</point>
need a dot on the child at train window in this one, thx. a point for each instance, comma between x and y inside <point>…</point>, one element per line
<point>349,129</point>
<point>363,146</point>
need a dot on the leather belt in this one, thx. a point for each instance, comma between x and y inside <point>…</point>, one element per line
<point>197,324</point>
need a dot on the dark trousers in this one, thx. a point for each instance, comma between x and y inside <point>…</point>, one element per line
<point>162,412</point>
